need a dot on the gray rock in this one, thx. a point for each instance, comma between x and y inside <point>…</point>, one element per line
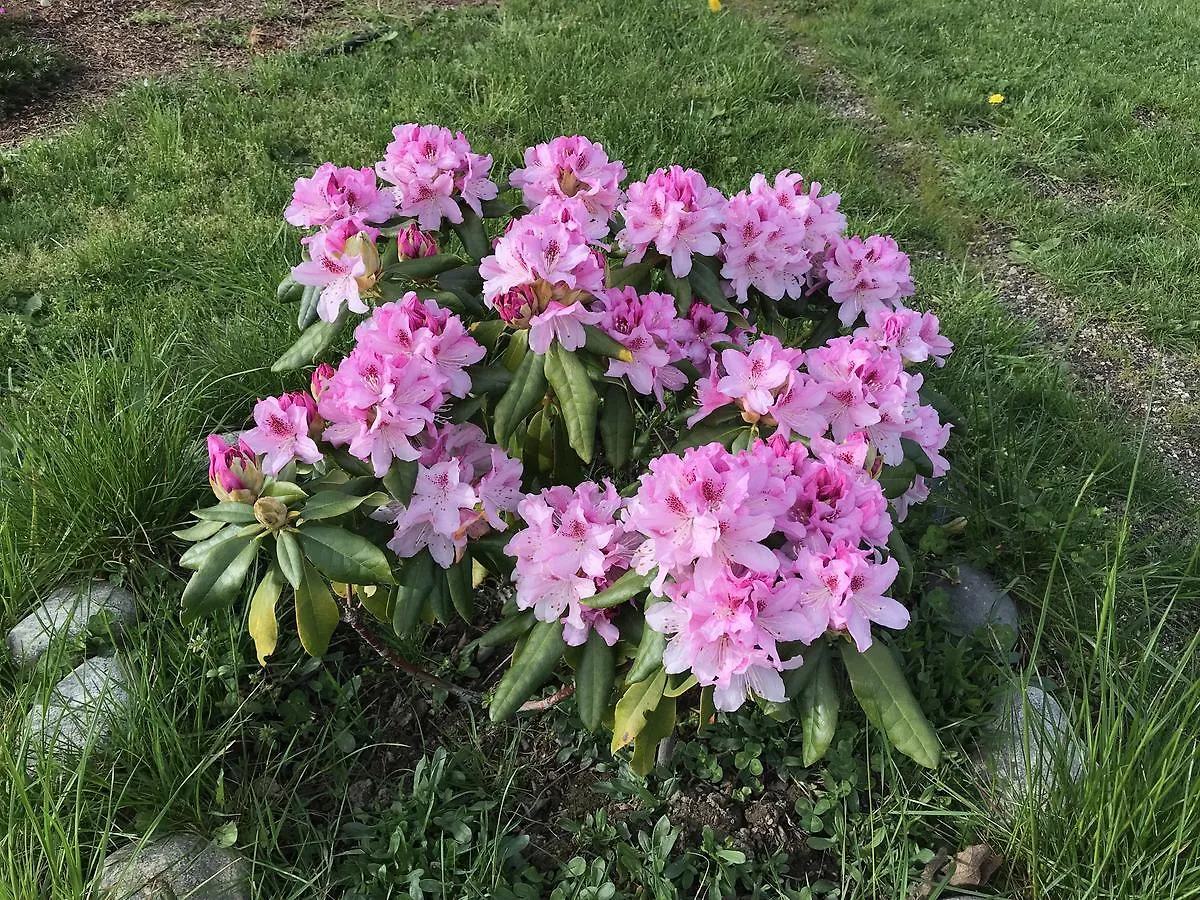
<point>976,601</point>
<point>68,613</point>
<point>177,867</point>
<point>81,709</point>
<point>1030,747</point>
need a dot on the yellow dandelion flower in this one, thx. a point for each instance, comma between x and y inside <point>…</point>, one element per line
<point>714,5</point>
<point>996,99</point>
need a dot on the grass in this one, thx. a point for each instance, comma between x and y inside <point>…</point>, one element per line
<point>1089,161</point>
<point>28,68</point>
<point>151,237</point>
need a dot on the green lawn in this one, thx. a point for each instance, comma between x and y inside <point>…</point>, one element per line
<point>151,237</point>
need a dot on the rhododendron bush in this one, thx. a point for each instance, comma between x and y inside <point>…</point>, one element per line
<point>681,425</point>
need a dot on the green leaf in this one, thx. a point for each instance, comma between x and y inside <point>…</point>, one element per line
<point>289,557</point>
<point>677,686</point>
<point>601,344</point>
<point>311,343</point>
<point>263,627</point>
<point>309,299</point>
<point>681,290</point>
<point>617,425</point>
<point>534,660</point>
<point>462,592</point>
<point>639,699</point>
<point>900,552</point>
<point>202,530</point>
<point>634,274</point>
<point>414,587</point>
<point>708,709</point>
<point>946,410</point>
<point>238,513</point>
<point>895,480</point>
<point>507,629</point>
<point>660,722</point>
<point>328,504</point>
<point>284,491</point>
<point>471,232</point>
<point>439,598</point>
<point>344,556</point>
<point>917,455</point>
<point>883,691</point>
<point>527,390</point>
<point>594,678</point>
<point>628,585</point>
<point>401,478</point>
<point>380,603</point>
<point>219,578</point>
<point>537,453</point>
<point>196,555</point>
<point>649,655</point>
<point>317,612</point>
<point>708,433</point>
<point>576,398</point>
<point>489,378</point>
<point>289,289</point>
<point>818,712</point>
<point>422,267</point>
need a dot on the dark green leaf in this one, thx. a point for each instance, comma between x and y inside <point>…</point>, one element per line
<point>415,585</point>
<point>307,313</point>
<point>818,710</point>
<point>883,691</point>
<point>317,613</point>
<point>917,455</point>
<point>527,390</point>
<point>291,559</point>
<point>594,678</point>
<point>628,585</point>
<point>329,504</point>
<point>462,592</point>
<point>344,556</point>
<point>507,629</point>
<point>602,345</point>
<point>311,343</point>
<point>422,267</point>
<point>534,660</point>
<point>238,513</point>
<point>576,397</point>
<point>401,479</point>
<point>219,578</point>
<point>617,423</point>
<point>471,232</point>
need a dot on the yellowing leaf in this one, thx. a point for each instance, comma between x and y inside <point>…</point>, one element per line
<point>639,699</point>
<point>264,628</point>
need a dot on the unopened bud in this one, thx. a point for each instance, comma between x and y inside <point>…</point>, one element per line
<point>271,513</point>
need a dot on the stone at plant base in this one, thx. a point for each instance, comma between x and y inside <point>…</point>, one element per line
<point>66,614</point>
<point>177,867</point>
<point>82,708</point>
<point>976,601</point>
<point>1031,745</point>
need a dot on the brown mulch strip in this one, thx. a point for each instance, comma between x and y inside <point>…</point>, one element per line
<point>113,43</point>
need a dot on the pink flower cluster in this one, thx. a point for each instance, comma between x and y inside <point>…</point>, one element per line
<point>573,547</point>
<point>571,167</point>
<point>675,211</point>
<point>759,548</point>
<point>866,276</point>
<point>339,194</point>
<point>541,273</point>
<point>432,168</point>
<point>647,326</point>
<point>771,233</point>
<point>344,262</point>
<point>409,355</point>
<point>464,485</point>
<point>915,336</point>
<point>283,431</point>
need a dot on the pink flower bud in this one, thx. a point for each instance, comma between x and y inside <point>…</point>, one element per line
<point>517,306</point>
<point>413,243</point>
<point>320,378</point>
<point>233,471</point>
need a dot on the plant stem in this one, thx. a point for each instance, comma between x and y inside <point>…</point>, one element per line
<point>354,617</point>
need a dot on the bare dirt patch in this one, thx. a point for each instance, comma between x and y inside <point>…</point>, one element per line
<point>113,43</point>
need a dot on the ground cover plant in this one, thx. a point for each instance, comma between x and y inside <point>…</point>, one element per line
<point>28,68</point>
<point>314,769</point>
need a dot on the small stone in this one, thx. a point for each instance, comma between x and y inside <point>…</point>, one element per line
<point>1030,746</point>
<point>976,601</point>
<point>68,613</point>
<point>82,708</point>
<point>172,868</point>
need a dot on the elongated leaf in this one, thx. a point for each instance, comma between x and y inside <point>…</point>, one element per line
<point>576,397</point>
<point>219,578</point>
<point>507,629</point>
<point>602,345</point>
<point>795,681</point>
<point>883,691</point>
<point>526,392</point>
<point>289,290</point>
<point>401,478</point>
<point>617,424</point>
<point>708,710</point>
<point>344,556</point>
<point>462,593</point>
<point>920,459</point>
<point>263,627</point>
<point>378,601</point>
<point>414,588</point>
<point>311,343</point>
<point>649,655</point>
<point>202,530</point>
<point>439,598</point>
<point>660,722</point>
<point>238,513</point>
<point>309,299</point>
<point>196,555</point>
<point>628,585</point>
<point>422,267</point>
<point>328,504</point>
<point>594,678</point>
<point>284,491</point>
<point>470,231</point>
<point>489,378</point>
<point>707,285</point>
<point>534,660</point>
<point>895,480</point>
<point>704,433</point>
<point>634,274</point>
<point>317,612</point>
<point>290,557</point>
<point>818,711</point>
<point>639,699</point>
<point>900,552</point>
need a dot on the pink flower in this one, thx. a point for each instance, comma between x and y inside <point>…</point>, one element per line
<point>516,306</point>
<point>571,167</point>
<point>754,377</point>
<point>545,254</point>
<point>675,211</point>
<point>582,621</point>
<point>413,243</point>
<point>233,470</point>
<point>914,336</point>
<point>430,166</point>
<point>849,585</point>
<point>645,326</point>
<point>797,407</point>
<point>344,263</point>
<point>918,493</point>
<point>831,500</point>
<point>866,275</point>
<point>335,195</point>
<point>764,241</point>
<point>281,432</point>
<point>823,223</point>
<point>696,334</point>
<point>564,323</point>
<point>320,378</point>
<point>709,396</point>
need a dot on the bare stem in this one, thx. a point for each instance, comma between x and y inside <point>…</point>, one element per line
<point>546,702</point>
